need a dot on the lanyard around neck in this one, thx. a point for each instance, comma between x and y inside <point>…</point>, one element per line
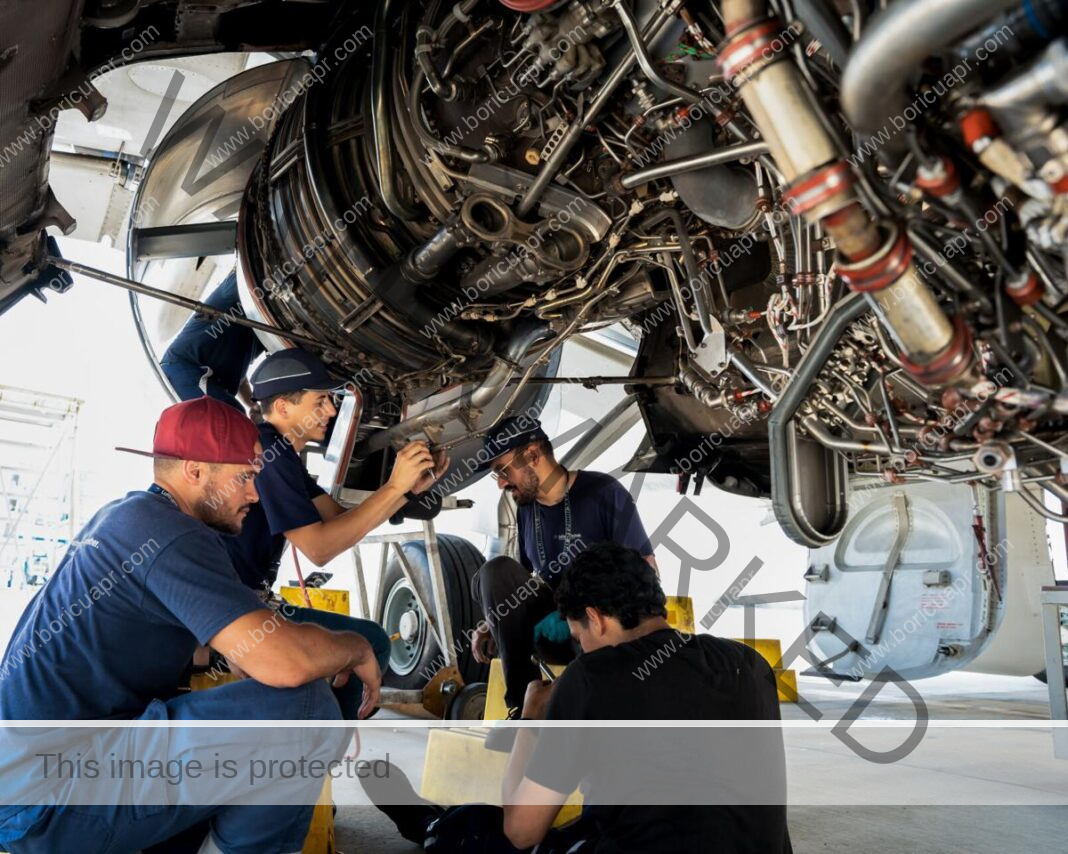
<point>156,489</point>
<point>538,537</point>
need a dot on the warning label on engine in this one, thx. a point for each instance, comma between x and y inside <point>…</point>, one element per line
<point>933,602</point>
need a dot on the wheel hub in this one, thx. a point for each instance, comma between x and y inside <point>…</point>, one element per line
<point>408,626</point>
<point>404,619</point>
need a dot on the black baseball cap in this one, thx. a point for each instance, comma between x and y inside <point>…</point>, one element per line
<point>518,431</point>
<point>291,370</point>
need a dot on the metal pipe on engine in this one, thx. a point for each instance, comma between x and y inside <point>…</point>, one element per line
<point>380,120</point>
<point>693,163</point>
<point>554,161</point>
<point>703,391</point>
<point>525,336</point>
<point>875,259</point>
<point>645,62</point>
<point>895,44</point>
<point>424,262</point>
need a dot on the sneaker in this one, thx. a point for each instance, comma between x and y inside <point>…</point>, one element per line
<point>396,797</point>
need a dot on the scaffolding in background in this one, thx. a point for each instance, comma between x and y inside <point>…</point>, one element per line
<point>38,456</point>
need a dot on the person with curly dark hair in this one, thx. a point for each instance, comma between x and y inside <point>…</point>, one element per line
<point>665,788</point>
<point>608,579</point>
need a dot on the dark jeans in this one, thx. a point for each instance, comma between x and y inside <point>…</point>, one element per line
<point>236,828</point>
<point>480,828</point>
<point>350,694</point>
<point>192,381</point>
<point>466,829</point>
<point>511,618</point>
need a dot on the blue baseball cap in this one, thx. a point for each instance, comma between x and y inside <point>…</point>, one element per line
<point>291,370</point>
<point>518,431</point>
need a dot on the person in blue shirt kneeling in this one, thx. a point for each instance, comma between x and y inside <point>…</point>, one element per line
<point>112,635</point>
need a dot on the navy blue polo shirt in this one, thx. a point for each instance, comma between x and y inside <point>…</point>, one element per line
<point>286,493</point>
<point>228,349</point>
<point>117,623</point>
<point>601,511</point>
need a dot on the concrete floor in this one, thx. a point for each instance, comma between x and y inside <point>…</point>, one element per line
<point>964,789</point>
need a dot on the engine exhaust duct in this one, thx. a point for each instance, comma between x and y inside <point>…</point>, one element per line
<point>876,258</point>
<point>525,336</point>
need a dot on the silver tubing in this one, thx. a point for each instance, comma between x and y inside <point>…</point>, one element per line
<point>693,162</point>
<point>895,43</point>
<point>641,53</point>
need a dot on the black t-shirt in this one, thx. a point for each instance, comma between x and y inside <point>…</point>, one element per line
<point>673,788</point>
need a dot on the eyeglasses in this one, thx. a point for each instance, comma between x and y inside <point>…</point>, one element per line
<point>497,472</point>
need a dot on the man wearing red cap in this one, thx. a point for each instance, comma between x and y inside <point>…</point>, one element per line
<point>114,630</point>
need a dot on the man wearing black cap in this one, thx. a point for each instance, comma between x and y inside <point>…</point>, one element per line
<point>112,633</point>
<point>295,392</point>
<point>560,514</point>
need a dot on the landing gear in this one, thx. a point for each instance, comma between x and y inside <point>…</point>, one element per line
<point>416,655</point>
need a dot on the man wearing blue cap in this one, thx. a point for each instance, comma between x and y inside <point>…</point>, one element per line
<point>295,392</point>
<point>560,513</point>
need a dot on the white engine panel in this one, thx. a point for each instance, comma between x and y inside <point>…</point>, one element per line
<point>941,612</point>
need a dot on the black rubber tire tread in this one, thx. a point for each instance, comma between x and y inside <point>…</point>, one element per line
<point>457,710</point>
<point>460,561</point>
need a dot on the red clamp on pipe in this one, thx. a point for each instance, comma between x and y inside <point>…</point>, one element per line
<point>1026,290</point>
<point>750,44</point>
<point>528,5</point>
<point>977,125</point>
<point>947,365</point>
<point>735,27</point>
<point>938,181</point>
<point>815,188</point>
<point>883,267</point>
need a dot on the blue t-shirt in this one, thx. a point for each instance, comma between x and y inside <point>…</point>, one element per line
<point>205,342</point>
<point>601,511</point>
<point>286,493</point>
<point>117,623</point>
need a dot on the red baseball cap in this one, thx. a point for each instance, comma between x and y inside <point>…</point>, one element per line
<point>205,430</point>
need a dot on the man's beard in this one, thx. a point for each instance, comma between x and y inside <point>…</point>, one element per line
<point>217,517</point>
<point>526,490</point>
